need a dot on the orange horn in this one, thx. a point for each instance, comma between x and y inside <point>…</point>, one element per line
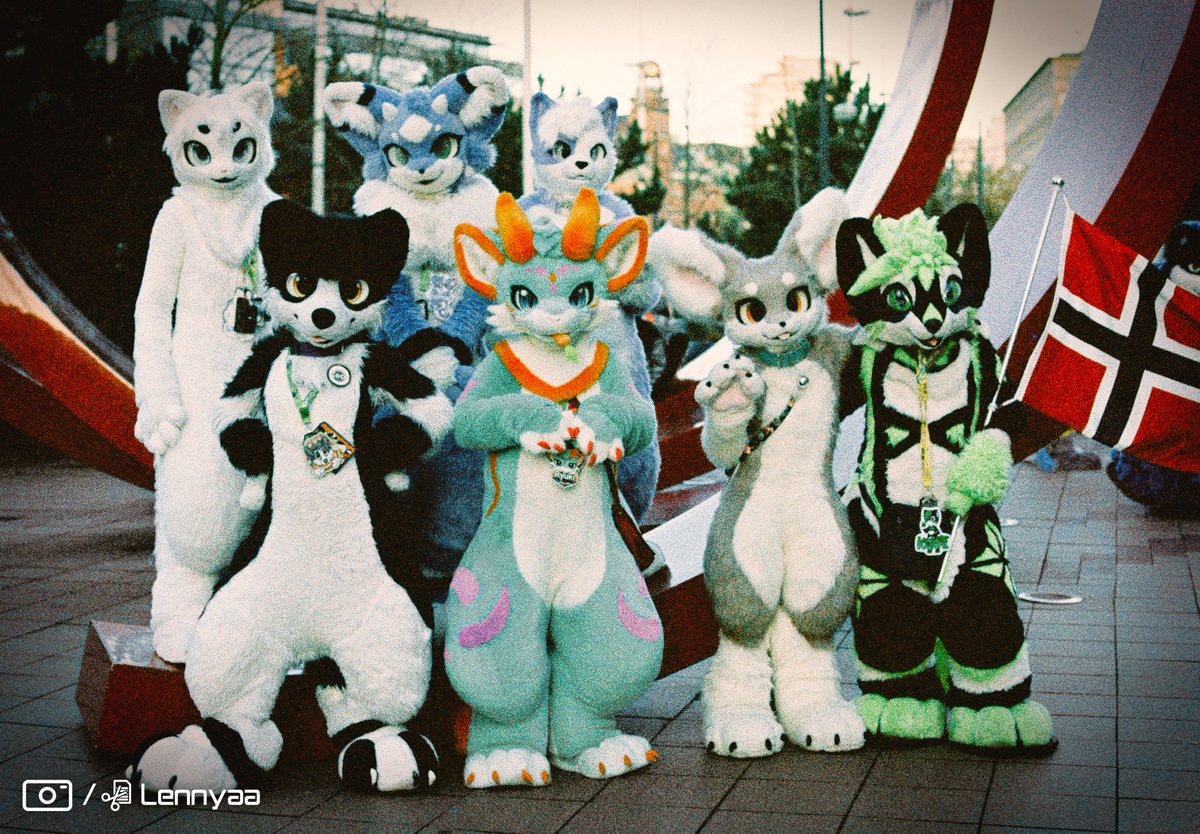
<point>579,235</point>
<point>516,233</point>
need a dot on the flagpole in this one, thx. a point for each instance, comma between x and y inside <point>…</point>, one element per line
<point>946,575</point>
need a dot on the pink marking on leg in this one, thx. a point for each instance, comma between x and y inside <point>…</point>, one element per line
<point>465,586</point>
<point>479,633</point>
<point>643,628</point>
<point>642,586</point>
<point>469,387</point>
<point>446,654</point>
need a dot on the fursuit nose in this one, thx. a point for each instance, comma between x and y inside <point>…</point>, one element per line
<point>581,164</point>
<point>323,317</point>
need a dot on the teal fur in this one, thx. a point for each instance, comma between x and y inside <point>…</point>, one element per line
<point>980,475</point>
<point>544,657</point>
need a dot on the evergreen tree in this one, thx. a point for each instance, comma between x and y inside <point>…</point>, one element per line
<point>631,150</point>
<point>648,199</point>
<point>762,190</point>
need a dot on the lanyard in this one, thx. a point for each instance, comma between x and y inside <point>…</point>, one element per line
<point>303,401</point>
<point>923,406</point>
<point>250,270</point>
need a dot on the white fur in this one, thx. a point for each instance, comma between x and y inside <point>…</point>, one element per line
<point>699,272</point>
<point>343,109</point>
<point>439,105</point>
<point>813,233</point>
<point>415,128</point>
<point>506,767</point>
<point>617,755</point>
<point>185,351</point>
<point>491,90</point>
<point>189,758</point>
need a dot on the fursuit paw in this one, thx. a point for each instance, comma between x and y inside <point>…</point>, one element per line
<point>254,493</point>
<point>615,755</point>
<point>732,390</point>
<point>159,423</point>
<point>1025,727</point>
<point>903,719</point>
<point>550,442</point>
<point>187,761</point>
<point>514,766</point>
<point>388,759</point>
<point>825,726</point>
<point>173,637</point>
<point>743,734</point>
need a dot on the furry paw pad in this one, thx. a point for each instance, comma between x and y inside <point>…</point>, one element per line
<point>187,761</point>
<point>388,759</point>
<point>904,719</point>
<point>732,387</point>
<point>743,734</point>
<point>1026,726</point>
<point>829,726</point>
<point>506,767</point>
<point>612,757</point>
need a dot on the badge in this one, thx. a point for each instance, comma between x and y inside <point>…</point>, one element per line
<point>339,375</point>
<point>245,315</point>
<point>931,541</point>
<point>326,450</point>
<point>567,465</point>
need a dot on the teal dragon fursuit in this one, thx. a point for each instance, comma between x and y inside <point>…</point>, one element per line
<point>550,628</point>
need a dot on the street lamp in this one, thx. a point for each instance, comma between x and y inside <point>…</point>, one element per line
<point>852,13</point>
<point>823,124</point>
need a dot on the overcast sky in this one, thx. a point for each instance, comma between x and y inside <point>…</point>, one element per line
<point>710,50</point>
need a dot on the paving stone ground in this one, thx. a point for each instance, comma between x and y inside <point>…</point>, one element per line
<point>1120,672</point>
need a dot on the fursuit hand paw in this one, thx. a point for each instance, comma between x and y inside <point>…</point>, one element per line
<point>980,473</point>
<point>732,391</point>
<point>549,442</point>
<point>160,419</point>
<point>596,436</point>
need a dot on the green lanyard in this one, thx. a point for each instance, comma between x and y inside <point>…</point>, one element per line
<point>250,269</point>
<point>303,401</point>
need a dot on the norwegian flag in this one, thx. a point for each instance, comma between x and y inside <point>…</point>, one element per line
<point>1119,359</point>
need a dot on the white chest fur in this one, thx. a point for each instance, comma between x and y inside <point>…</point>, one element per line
<point>800,445</point>
<point>946,392</point>
<point>559,536</point>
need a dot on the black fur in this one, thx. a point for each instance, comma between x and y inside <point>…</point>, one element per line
<point>358,760</point>
<point>232,750</point>
<point>247,442</point>
<point>372,248</point>
<point>359,728</point>
<point>967,240</point>
<point>425,754</point>
<point>395,442</point>
<point>423,341</point>
<point>253,372</point>
<point>387,368</point>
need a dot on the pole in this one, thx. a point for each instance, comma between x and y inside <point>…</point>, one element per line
<point>321,56</point>
<point>823,136</point>
<point>527,95</point>
<point>942,586</point>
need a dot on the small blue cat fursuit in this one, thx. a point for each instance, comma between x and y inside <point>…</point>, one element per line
<point>573,148</point>
<point>424,153</point>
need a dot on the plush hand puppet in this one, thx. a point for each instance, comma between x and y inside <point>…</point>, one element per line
<point>328,573</point>
<point>941,648</point>
<point>573,148</point>
<point>779,565</point>
<point>424,153</point>
<point>550,627</point>
<point>195,320</point>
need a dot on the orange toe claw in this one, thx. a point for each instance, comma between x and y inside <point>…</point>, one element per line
<point>628,761</point>
<point>574,431</point>
<point>589,448</point>
<point>526,776</point>
<point>543,444</point>
<point>496,776</point>
<point>592,462</point>
<point>558,447</point>
<point>620,453</point>
<point>470,778</point>
<point>652,755</point>
<point>545,777</point>
<point>602,768</point>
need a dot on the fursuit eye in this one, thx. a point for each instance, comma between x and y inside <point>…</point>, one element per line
<point>599,152</point>
<point>523,298</point>
<point>798,298</point>
<point>582,295</point>
<point>299,287</point>
<point>196,153</point>
<point>750,311</point>
<point>560,150</point>
<point>355,292</point>
<point>898,298</point>
<point>952,291</point>
<point>397,157</point>
<point>445,146</point>
<point>1193,268</point>
<point>245,150</point>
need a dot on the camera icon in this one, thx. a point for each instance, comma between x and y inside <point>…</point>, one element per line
<point>47,795</point>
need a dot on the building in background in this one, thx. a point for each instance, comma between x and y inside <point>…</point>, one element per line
<point>1029,114</point>
<point>268,39</point>
<point>767,96</point>
<point>962,156</point>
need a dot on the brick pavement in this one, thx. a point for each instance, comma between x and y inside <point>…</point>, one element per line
<point>1120,672</point>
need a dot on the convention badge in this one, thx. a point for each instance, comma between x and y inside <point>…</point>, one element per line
<point>245,314</point>
<point>326,450</point>
<point>339,375</point>
<point>566,466</point>
<point>438,293</point>
<point>931,541</point>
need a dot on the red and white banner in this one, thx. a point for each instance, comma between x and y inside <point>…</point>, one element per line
<point>1119,359</point>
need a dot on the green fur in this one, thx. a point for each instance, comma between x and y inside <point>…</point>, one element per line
<point>914,250</point>
<point>903,718</point>
<point>979,475</point>
<point>1027,724</point>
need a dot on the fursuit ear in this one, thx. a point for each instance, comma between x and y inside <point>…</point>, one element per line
<point>483,99</point>
<point>259,97</point>
<point>857,248</point>
<point>623,252</point>
<point>967,242</point>
<point>693,270</point>
<point>478,258</point>
<point>539,105</point>
<point>172,104</point>
<point>811,235</point>
<point>608,115</point>
<point>356,110</point>
<point>385,240</point>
